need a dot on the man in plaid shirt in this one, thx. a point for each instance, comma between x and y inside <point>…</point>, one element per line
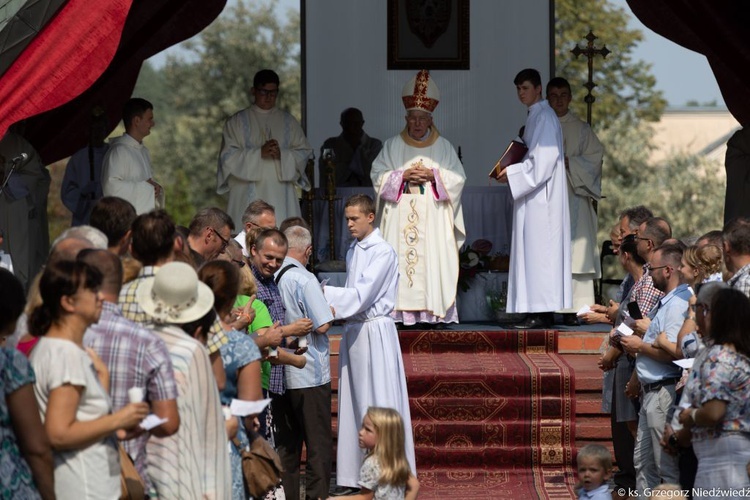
<point>266,256</point>
<point>152,245</point>
<point>135,357</point>
<point>736,235</point>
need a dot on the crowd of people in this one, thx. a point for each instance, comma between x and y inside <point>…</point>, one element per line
<point>135,317</point>
<point>677,364</point>
<point>132,316</point>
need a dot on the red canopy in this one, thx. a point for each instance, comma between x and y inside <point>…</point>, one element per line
<point>84,55</point>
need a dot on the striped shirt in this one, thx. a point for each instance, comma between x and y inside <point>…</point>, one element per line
<point>193,463</point>
<point>135,357</point>
<point>133,311</point>
<point>269,294</point>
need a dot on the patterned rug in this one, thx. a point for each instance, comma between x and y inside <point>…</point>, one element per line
<point>493,414</point>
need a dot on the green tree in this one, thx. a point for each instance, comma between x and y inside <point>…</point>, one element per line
<point>625,88</point>
<point>208,82</point>
<point>687,190</point>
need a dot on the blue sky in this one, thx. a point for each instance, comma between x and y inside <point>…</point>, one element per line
<point>682,74</point>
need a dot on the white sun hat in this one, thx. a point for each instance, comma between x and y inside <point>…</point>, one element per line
<point>175,295</point>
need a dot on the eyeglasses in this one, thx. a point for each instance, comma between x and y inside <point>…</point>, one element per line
<point>645,239</point>
<point>224,241</point>
<point>704,307</point>
<point>240,263</point>
<point>261,227</point>
<point>267,92</point>
<point>652,269</point>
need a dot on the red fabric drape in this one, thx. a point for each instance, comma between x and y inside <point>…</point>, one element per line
<point>151,26</point>
<point>67,56</point>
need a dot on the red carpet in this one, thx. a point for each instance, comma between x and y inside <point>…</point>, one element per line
<point>493,414</point>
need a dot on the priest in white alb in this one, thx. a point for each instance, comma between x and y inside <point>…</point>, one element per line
<point>583,166</point>
<point>126,168</point>
<point>539,281</point>
<point>263,154</point>
<point>418,180</point>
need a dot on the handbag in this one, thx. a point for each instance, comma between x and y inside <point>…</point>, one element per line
<point>261,466</point>
<point>131,484</point>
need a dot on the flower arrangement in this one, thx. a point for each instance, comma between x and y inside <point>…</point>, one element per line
<point>497,300</point>
<point>472,259</point>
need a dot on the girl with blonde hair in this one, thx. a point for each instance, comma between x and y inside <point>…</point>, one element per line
<point>385,473</point>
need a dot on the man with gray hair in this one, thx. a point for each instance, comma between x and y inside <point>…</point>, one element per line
<point>257,216</point>
<point>303,412</point>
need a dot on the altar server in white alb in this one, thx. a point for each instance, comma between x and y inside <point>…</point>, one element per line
<point>263,154</point>
<point>583,168</point>
<point>418,179</point>
<point>371,370</point>
<point>126,170</point>
<point>539,281</point>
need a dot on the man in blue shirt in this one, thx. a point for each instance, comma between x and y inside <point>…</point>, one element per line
<point>303,412</point>
<point>656,372</point>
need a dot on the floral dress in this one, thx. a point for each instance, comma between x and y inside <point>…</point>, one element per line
<point>15,476</point>
<point>369,477</point>
<point>239,352</point>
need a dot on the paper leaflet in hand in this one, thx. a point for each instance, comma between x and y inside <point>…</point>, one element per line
<point>302,339</point>
<point>152,421</point>
<point>624,329</point>
<point>686,363</point>
<point>242,408</point>
<point>584,310</point>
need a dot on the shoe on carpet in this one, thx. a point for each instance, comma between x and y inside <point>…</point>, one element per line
<point>536,321</point>
<point>342,491</point>
<point>570,319</point>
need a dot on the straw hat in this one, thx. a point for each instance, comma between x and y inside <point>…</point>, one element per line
<point>175,295</point>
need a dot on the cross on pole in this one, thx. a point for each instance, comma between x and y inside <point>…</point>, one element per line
<point>590,51</point>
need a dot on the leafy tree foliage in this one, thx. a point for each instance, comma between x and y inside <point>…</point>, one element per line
<point>208,82</point>
<point>625,88</point>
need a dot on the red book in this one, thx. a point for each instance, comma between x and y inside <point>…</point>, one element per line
<point>514,153</point>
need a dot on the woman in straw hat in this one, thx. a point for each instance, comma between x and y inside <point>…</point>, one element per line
<point>193,463</point>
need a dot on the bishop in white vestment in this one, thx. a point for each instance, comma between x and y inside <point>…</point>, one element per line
<point>263,155</point>
<point>371,369</point>
<point>418,179</point>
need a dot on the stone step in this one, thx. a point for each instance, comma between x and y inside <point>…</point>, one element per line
<point>580,342</point>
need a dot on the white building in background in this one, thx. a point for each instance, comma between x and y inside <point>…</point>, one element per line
<point>696,131</point>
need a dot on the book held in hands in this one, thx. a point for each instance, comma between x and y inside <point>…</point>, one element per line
<point>514,153</point>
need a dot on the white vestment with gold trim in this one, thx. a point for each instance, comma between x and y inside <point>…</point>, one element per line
<point>425,224</point>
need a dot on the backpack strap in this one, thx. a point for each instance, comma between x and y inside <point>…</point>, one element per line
<point>282,272</point>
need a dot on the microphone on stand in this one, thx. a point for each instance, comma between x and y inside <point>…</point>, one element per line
<point>14,162</point>
<point>20,158</point>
